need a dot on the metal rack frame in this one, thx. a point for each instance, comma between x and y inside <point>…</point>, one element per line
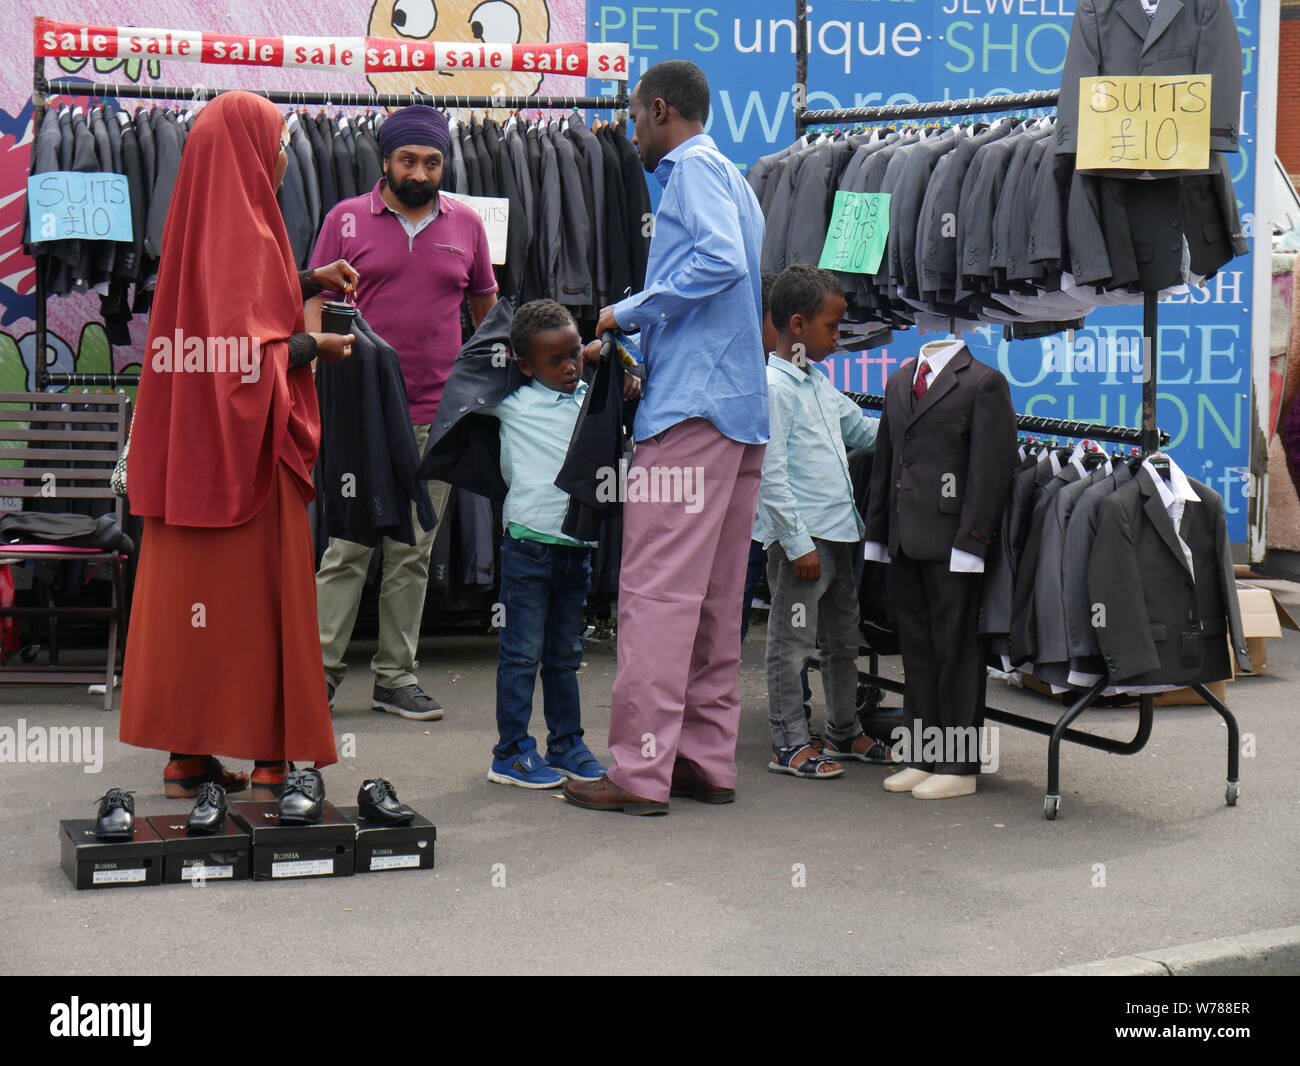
<point>1149,438</point>
<point>43,88</point>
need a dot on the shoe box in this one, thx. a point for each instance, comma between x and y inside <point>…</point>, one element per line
<point>224,856</point>
<point>286,852</point>
<point>93,863</point>
<point>392,847</point>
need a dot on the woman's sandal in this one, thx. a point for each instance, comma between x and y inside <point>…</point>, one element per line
<point>815,765</point>
<point>183,777</point>
<point>268,779</point>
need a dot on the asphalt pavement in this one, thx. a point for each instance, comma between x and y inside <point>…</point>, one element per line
<point>796,877</point>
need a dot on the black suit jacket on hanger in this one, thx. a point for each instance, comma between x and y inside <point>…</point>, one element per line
<point>1115,37</point>
<point>1162,623</point>
<point>942,469</point>
<point>323,162</point>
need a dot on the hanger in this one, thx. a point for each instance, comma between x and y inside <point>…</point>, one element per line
<point>1160,462</point>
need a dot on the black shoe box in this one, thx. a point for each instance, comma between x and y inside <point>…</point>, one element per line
<point>392,847</point>
<point>289,852</point>
<point>93,863</point>
<point>224,856</point>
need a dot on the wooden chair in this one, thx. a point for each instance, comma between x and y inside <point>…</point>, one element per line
<point>56,443</point>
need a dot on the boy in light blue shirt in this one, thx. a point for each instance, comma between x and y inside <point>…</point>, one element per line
<point>544,573</point>
<point>811,529</point>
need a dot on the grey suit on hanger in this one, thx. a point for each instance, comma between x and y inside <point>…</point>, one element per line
<point>167,143</point>
<point>307,173</point>
<point>550,215</point>
<point>1165,624</point>
<point>1081,638</point>
<point>573,275</point>
<point>595,162</point>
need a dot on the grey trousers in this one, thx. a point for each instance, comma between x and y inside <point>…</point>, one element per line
<point>804,615</point>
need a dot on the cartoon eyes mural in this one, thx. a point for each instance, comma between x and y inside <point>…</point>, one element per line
<point>487,21</point>
<point>414,18</point>
<point>496,22</point>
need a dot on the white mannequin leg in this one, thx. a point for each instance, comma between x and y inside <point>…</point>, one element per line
<point>945,786</point>
<point>905,780</point>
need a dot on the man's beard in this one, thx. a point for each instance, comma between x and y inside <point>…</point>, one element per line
<point>411,192</point>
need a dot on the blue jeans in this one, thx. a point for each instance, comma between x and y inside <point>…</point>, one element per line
<point>543,591</point>
<point>757,561</point>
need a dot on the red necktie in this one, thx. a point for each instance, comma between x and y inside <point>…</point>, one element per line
<point>918,389</point>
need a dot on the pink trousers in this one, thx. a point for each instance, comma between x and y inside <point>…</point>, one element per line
<point>687,521</point>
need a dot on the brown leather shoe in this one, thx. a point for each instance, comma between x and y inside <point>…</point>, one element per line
<point>688,782</point>
<point>604,795</point>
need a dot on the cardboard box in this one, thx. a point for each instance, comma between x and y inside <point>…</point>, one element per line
<point>1262,618</point>
<point>206,857</point>
<point>282,852</point>
<point>93,863</point>
<point>1179,697</point>
<point>396,847</point>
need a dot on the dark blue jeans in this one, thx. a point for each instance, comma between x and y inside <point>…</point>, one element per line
<point>543,590</point>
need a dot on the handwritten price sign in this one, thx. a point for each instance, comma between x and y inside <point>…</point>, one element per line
<point>859,229</point>
<point>90,207</point>
<point>1145,122</point>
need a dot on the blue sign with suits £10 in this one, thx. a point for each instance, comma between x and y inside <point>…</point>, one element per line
<point>66,205</point>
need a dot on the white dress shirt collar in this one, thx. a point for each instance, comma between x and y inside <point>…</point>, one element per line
<point>1176,488</point>
<point>938,354</point>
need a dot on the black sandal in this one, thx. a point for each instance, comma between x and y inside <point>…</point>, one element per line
<point>783,758</point>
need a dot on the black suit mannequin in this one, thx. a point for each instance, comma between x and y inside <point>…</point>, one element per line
<point>940,479</point>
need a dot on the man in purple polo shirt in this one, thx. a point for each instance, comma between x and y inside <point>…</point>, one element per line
<point>418,255</point>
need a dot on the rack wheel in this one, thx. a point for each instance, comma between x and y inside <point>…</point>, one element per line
<point>1051,804</point>
<point>1231,794</point>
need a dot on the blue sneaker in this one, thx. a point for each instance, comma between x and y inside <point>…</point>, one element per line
<point>525,769</point>
<point>577,764</point>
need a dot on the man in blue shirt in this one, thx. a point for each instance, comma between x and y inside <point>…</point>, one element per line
<point>701,430</point>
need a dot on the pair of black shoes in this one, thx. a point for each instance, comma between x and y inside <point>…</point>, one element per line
<point>304,794</point>
<point>116,820</point>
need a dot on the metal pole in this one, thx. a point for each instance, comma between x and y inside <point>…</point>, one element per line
<point>800,65</point>
<point>1151,366</point>
<point>38,115</point>
<point>296,96</point>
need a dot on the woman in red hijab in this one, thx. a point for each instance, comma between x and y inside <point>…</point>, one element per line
<point>223,655</point>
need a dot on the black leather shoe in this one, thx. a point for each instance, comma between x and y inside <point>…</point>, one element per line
<point>377,802</point>
<point>300,802</point>
<point>116,819</point>
<point>209,813</point>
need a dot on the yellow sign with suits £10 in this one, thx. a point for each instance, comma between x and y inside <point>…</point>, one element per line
<point>1159,122</point>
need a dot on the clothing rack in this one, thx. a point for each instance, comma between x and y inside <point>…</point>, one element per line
<point>1149,438</point>
<point>1053,427</point>
<point>43,88</point>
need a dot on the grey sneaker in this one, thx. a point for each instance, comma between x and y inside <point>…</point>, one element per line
<point>409,701</point>
<point>329,694</point>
